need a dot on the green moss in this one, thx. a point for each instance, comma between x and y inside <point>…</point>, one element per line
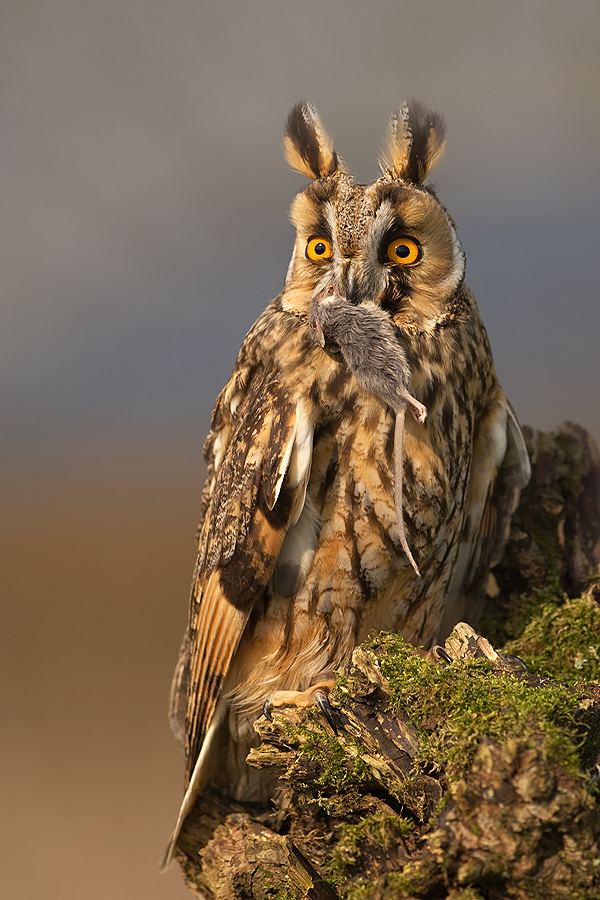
<point>286,893</point>
<point>361,890</point>
<point>360,841</point>
<point>376,829</point>
<point>403,884</point>
<point>453,707</point>
<point>563,643</point>
<point>342,769</point>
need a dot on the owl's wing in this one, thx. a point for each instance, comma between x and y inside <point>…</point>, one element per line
<point>514,475</point>
<point>259,454</point>
<point>500,468</point>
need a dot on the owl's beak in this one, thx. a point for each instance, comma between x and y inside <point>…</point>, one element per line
<point>352,291</point>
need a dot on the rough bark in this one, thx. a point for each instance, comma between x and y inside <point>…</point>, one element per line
<point>468,777</point>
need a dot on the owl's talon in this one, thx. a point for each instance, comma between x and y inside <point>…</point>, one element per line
<point>322,701</point>
<point>510,657</point>
<point>440,655</point>
<point>316,693</point>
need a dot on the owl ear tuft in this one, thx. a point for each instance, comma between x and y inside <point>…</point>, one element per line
<point>415,143</point>
<point>308,147</point>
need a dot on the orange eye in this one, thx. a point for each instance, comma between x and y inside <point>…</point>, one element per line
<point>318,248</point>
<point>404,251</point>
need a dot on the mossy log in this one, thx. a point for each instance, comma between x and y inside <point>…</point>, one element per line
<point>470,777</point>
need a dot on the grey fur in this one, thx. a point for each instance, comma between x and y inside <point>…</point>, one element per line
<point>370,346</point>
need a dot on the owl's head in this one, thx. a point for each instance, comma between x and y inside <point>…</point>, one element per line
<point>391,242</point>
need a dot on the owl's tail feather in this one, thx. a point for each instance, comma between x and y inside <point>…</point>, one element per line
<point>398,456</point>
<point>200,776</point>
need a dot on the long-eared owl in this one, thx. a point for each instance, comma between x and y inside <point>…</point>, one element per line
<point>300,552</point>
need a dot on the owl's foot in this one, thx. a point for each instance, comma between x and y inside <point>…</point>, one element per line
<point>439,654</point>
<point>316,693</point>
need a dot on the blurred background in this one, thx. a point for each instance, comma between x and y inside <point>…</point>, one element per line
<point>144,203</point>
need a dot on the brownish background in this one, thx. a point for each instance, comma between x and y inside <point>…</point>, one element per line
<point>144,225</point>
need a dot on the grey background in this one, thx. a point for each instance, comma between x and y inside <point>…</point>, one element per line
<point>144,203</point>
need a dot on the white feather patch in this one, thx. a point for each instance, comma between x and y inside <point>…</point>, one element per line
<point>296,462</point>
<point>283,465</point>
<point>297,552</point>
<point>301,458</point>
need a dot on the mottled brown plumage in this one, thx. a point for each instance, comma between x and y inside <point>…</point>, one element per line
<point>300,554</point>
